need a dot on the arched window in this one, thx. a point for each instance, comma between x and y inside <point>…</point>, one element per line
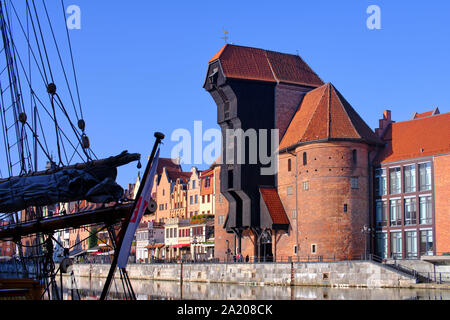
<point>305,159</point>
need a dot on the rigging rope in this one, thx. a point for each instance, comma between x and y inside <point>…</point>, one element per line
<point>72,59</point>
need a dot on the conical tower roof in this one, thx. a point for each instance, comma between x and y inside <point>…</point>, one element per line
<point>325,115</point>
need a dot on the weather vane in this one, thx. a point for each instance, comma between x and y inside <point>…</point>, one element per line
<point>225,37</point>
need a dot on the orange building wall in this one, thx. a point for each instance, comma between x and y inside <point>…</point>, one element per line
<point>442,203</point>
<point>163,193</point>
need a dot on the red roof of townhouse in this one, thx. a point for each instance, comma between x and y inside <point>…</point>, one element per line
<point>324,114</point>
<point>169,164</point>
<point>422,137</point>
<point>240,62</point>
<point>206,173</point>
<point>175,174</point>
<point>274,205</point>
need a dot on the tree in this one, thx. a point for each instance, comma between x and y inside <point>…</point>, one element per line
<point>93,238</point>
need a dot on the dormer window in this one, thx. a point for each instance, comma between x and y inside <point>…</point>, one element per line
<point>212,78</point>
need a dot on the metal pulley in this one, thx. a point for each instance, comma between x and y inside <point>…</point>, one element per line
<point>23,118</point>
<point>51,88</point>
<point>86,144</point>
<point>81,124</point>
<point>152,206</point>
<point>66,265</point>
<point>139,165</point>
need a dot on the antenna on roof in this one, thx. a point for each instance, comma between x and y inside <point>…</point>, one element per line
<point>225,37</point>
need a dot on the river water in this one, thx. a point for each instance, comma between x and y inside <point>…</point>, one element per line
<point>90,289</point>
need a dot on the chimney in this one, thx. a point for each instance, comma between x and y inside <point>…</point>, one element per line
<point>384,123</point>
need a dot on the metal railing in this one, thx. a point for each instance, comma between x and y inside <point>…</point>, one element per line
<point>421,277</point>
<point>434,277</point>
<point>239,260</point>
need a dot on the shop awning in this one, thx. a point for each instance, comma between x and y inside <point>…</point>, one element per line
<point>76,253</point>
<point>178,246</point>
<point>155,246</point>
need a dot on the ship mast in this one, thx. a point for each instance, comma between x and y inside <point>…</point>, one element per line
<point>27,141</point>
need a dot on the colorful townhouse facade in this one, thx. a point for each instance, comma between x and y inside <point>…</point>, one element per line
<point>186,209</point>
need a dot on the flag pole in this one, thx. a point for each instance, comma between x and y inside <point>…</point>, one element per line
<point>159,137</point>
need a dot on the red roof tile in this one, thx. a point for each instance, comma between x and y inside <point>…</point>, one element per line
<point>169,164</point>
<point>175,174</point>
<point>426,114</point>
<point>423,115</point>
<point>206,173</point>
<point>418,138</point>
<point>274,205</point>
<point>325,114</point>
<point>257,64</point>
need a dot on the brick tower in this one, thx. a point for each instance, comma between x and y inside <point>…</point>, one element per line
<point>325,156</point>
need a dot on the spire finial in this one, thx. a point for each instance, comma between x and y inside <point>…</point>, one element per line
<point>225,37</point>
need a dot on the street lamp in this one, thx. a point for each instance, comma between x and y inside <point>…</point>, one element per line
<point>228,249</point>
<point>194,242</point>
<point>365,230</point>
<point>153,241</point>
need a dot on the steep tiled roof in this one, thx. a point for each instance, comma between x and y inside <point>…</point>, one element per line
<point>325,114</point>
<point>274,205</point>
<point>175,174</point>
<point>169,164</point>
<point>418,138</point>
<point>257,64</point>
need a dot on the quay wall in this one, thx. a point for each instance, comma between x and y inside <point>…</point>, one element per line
<point>334,274</point>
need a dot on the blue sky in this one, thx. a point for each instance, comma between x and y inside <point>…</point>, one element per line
<point>141,64</point>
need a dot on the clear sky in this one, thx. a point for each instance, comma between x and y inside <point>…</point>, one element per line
<point>141,64</point>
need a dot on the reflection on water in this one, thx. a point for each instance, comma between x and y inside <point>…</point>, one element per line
<point>166,290</point>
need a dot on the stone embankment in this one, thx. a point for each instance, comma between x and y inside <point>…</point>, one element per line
<point>326,274</point>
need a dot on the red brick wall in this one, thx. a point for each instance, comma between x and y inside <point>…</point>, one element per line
<point>321,219</point>
<point>442,203</point>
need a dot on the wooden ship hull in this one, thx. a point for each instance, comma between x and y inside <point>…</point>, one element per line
<point>20,289</point>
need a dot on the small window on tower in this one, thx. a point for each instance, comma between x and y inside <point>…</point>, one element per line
<point>290,191</point>
<point>355,157</point>
<point>305,185</point>
<point>313,249</point>
<point>294,214</point>
<point>355,184</point>
<point>289,165</point>
<point>345,207</point>
<point>305,159</point>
